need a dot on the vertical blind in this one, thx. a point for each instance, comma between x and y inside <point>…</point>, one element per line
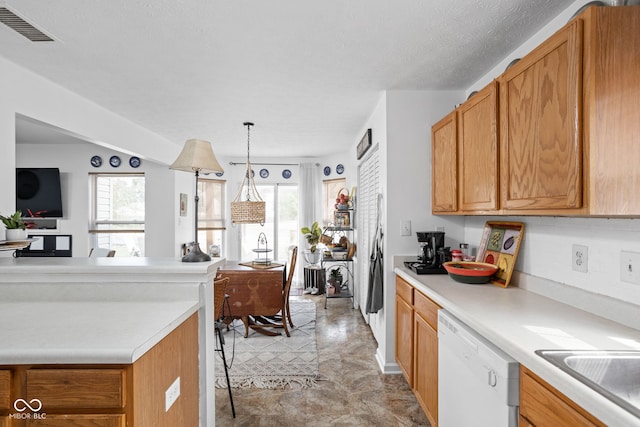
<point>368,190</point>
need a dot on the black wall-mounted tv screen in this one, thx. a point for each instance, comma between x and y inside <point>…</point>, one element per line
<point>38,192</point>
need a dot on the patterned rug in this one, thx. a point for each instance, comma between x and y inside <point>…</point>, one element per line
<point>272,362</point>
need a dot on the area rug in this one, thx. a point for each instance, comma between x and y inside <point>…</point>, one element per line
<point>272,362</point>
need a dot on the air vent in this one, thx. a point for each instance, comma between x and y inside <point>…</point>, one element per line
<point>18,24</point>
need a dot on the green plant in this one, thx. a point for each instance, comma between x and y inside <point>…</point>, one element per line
<point>312,235</point>
<point>14,221</point>
<point>335,273</point>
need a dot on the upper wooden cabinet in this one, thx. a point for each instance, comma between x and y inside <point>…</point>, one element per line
<point>444,160</point>
<point>478,151</point>
<point>541,155</point>
<point>611,113</point>
<point>465,157</point>
<point>569,120</point>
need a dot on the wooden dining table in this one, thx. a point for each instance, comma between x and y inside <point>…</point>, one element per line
<point>255,292</point>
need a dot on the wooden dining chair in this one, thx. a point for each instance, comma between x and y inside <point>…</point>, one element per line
<point>292,268</point>
<point>281,319</point>
<point>219,297</point>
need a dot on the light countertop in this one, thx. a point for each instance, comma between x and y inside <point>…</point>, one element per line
<point>86,332</point>
<point>520,322</point>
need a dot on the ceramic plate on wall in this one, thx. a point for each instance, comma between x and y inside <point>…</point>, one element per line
<point>264,173</point>
<point>96,161</point>
<point>134,162</point>
<point>286,174</point>
<point>340,169</point>
<point>327,171</point>
<point>114,161</point>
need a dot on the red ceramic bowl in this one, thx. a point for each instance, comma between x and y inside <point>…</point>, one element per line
<point>470,272</point>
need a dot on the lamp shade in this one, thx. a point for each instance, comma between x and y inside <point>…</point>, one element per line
<point>197,156</point>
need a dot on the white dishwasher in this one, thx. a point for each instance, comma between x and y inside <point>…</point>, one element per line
<point>478,384</point>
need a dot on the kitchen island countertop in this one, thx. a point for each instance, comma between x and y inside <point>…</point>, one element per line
<point>86,332</point>
<point>520,322</point>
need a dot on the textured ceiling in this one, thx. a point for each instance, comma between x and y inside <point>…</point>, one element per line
<point>308,73</point>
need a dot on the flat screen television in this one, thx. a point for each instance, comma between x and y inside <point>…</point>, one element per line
<point>38,192</point>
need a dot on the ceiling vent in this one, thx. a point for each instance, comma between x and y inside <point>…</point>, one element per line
<point>16,23</point>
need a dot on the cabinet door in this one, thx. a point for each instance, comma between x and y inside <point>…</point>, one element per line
<point>540,98</point>
<point>425,370</point>
<point>444,159</point>
<point>404,338</point>
<point>611,105</point>
<point>478,151</point>
<point>542,405</point>
<point>5,390</point>
<point>79,420</point>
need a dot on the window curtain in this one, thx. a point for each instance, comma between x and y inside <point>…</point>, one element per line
<point>310,199</point>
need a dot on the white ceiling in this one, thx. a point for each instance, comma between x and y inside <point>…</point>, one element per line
<point>308,73</point>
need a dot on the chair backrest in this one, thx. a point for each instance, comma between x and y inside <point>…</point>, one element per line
<point>101,252</point>
<point>219,290</point>
<point>292,269</point>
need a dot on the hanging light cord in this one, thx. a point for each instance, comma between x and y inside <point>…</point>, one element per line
<point>248,125</point>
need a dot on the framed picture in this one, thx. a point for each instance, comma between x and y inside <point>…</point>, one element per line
<point>364,144</point>
<point>183,204</point>
<point>499,246</point>
<point>342,218</point>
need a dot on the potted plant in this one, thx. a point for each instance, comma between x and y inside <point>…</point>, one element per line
<point>335,279</point>
<point>312,234</point>
<point>16,229</point>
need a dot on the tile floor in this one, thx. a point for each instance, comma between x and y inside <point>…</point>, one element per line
<point>352,393</point>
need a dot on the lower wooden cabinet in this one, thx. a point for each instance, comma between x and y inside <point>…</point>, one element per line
<point>404,329</point>
<point>542,405</point>
<point>417,345</point>
<point>108,395</point>
<point>79,420</point>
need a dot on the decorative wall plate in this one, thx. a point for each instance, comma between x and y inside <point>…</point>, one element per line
<point>114,161</point>
<point>264,173</point>
<point>96,161</point>
<point>340,169</point>
<point>327,171</point>
<point>286,174</point>
<point>134,162</point>
<point>219,174</point>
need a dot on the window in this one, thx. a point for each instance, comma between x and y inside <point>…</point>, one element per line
<point>117,213</point>
<point>211,210</point>
<point>330,190</point>
<point>281,223</point>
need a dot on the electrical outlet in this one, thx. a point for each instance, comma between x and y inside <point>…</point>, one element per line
<point>579,258</point>
<point>630,267</point>
<point>405,227</point>
<point>172,394</point>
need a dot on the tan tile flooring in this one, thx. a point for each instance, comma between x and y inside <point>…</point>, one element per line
<point>352,392</point>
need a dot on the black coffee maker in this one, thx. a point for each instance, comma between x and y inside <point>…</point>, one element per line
<point>432,253</point>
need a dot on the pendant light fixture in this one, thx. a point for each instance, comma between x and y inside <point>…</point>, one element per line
<point>248,207</point>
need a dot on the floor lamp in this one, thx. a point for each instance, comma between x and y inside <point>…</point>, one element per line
<point>196,156</point>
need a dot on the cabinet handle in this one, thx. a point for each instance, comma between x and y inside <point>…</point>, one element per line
<point>492,378</point>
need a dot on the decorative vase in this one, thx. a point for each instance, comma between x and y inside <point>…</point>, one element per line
<point>313,258</point>
<point>15,234</point>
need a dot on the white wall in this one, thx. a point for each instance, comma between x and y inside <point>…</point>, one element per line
<point>546,250</point>
<point>30,95</point>
<point>401,125</point>
<point>73,162</point>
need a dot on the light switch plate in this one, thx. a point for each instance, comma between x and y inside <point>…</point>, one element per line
<point>405,227</point>
<point>630,267</point>
<point>172,394</point>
